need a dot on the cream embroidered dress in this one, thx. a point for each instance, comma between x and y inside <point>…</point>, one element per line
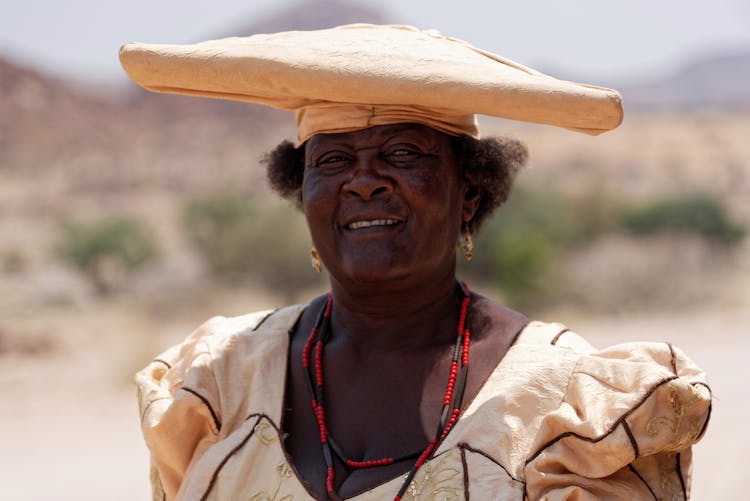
<point>556,420</point>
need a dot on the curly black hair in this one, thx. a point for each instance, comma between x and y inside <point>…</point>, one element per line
<point>489,165</point>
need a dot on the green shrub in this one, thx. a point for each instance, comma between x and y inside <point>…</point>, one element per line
<point>698,214</point>
<point>523,261</point>
<point>242,240</point>
<point>13,261</point>
<point>105,251</point>
<point>565,219</point>
<point>220,228</point>
<point>520,248</point>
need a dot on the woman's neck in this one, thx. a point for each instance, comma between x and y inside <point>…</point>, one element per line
<point>397,317</point>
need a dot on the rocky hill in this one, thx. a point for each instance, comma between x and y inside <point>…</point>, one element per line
<point>311,15</point>
<point>717,81</point>
<point>40,116</point>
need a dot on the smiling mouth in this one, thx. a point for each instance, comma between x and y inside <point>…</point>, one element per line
<point>373,222</point>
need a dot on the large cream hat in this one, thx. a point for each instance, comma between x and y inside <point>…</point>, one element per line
<point>356,76</point>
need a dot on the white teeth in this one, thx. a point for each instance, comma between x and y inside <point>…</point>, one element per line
<point>375,222</point>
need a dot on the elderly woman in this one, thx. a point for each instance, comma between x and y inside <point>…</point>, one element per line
<point>401,383</point>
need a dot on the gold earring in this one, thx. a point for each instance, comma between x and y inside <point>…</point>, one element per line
<point>315,259</point>
<point>467,243</point>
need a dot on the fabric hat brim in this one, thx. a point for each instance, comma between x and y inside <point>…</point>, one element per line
<point>370,65</point>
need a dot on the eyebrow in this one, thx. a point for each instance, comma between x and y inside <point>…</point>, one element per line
<point>339,139</point>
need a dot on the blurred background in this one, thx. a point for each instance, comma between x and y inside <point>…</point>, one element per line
<point>128,218</point>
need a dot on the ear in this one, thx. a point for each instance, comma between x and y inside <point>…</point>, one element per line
<point>472,195</point>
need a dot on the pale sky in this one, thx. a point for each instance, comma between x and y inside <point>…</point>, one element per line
<point>586,38</point>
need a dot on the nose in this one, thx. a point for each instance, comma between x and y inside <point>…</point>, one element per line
<point>367,179</point>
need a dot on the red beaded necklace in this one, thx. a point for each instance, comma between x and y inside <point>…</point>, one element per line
<point>320,334</point>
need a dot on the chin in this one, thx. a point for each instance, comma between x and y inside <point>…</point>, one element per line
<point>375,273</point>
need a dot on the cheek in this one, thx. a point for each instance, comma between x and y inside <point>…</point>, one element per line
<point>318,204</point>
<point>448,213</point>
<point>312,194</point>
<point>440,193</point>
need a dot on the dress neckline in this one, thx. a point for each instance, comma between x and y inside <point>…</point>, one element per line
<point>442,447</point>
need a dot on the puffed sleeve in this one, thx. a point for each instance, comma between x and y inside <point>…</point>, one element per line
<point>179,408</point>
<point>624,429</point>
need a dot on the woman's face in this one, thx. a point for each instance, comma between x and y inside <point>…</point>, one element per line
<point>385,203</point>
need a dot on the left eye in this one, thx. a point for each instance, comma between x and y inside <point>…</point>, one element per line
<point>402,154</point>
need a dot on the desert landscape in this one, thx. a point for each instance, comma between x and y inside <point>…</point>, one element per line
<point>78,316</point>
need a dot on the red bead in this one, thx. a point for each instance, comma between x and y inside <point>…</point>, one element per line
<point>462,316</point>
<point>451,422</point>
<point>329,306</point>
<point>369,464</point>
<point>319,363</point>
<point>308,348</point>
<point>426,454</point>
<point>465,353</point>
<point>329,480</point>
<point>321,417</point>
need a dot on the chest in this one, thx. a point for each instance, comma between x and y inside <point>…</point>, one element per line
<point>383,409</point>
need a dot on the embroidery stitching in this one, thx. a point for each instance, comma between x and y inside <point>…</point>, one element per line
<point>669,485</point>
<point>678,419</point>
<point>439,480</point>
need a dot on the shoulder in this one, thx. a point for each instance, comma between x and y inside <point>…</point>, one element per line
<point>621,385</point>
<point>629,412</point>
<point>494,319</point>
<point>215,335</point>
<point>554,335</point>
<point>191,366</point>
<point>187,395</point>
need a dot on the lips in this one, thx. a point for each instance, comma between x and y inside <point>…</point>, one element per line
<point>369,223</point>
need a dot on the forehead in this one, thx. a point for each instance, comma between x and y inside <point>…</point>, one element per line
<point>380,135</point>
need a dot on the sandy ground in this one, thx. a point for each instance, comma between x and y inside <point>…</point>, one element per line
<point>69,426</point>
<point>68,432</point>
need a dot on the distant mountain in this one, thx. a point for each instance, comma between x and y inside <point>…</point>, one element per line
<point>40,115</point>
<point>311,15</point>
<point>77,143</point>
<point>719,81</point>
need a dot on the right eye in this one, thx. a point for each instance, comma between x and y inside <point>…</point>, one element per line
<point>332,160</point>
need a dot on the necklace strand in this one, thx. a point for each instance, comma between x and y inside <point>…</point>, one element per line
<point>312,361</point>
